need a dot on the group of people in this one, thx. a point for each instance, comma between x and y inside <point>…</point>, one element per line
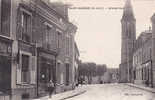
<point>80,81</point>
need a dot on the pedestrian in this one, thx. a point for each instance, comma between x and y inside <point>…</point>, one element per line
<point>51,88</point>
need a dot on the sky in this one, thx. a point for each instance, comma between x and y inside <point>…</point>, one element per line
<point>99,28</point>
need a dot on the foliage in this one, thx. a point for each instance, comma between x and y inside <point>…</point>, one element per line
<point>101,69</point>
<point>90,69</point>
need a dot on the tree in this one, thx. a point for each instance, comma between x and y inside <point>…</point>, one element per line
<point>101,69</point>
<point>90,70</point>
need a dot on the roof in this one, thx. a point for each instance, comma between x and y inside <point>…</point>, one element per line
<point>128,11</point>
<point>143,38</point>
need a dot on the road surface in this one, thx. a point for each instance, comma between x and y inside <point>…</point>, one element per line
<point>114,92</point>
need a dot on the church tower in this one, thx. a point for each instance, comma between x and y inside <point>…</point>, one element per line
<point>128,22</point>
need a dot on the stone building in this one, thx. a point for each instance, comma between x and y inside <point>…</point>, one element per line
<point>153,49</point>
<point>128,22</point>
<point>37,45</point>
<point>6,42</point>
<point>142,59</point>
<point>137,55</point>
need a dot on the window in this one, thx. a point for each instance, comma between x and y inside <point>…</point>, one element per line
<point>67,46</point>
<point>59,40</point>
<point>5,17</point>
<point>46,70</point>
<point>48,34</point>
<point>150,54</point>
<point>26,27</point>
<point>25,69</point>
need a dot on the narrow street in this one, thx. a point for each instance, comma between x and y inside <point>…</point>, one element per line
<point>114,92</point>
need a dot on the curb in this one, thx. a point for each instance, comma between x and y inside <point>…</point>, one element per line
<point>73,95</point>
<point>141,88</point>
<point>65,97</point>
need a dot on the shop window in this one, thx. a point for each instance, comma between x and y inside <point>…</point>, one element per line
<point>46,70</point>
<point>44,74</point>
<point>25,69</point>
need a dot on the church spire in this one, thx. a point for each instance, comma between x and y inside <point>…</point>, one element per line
<point>128,11</point>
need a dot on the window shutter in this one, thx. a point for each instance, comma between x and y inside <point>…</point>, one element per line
<point>33,70</point>
<point>19,67</point>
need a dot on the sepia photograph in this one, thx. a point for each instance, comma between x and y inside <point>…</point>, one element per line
<point>77,49</point>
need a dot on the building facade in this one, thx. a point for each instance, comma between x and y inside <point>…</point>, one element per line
<point>37,45</point>
<point>153,49</point>
<point>142,59</point>
<point>6,42</point>
<point>128,38</point>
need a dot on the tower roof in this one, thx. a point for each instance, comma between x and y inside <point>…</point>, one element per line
<point>128,11</point>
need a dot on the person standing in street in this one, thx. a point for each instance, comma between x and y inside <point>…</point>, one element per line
<point>51,88</point>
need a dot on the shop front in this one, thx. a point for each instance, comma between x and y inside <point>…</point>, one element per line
<point>46,71</point>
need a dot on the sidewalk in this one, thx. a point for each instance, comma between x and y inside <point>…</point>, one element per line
<point>64,95</point>
<point>149,89</point>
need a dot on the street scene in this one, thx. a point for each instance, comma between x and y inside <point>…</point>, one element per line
<point>77,50</point>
